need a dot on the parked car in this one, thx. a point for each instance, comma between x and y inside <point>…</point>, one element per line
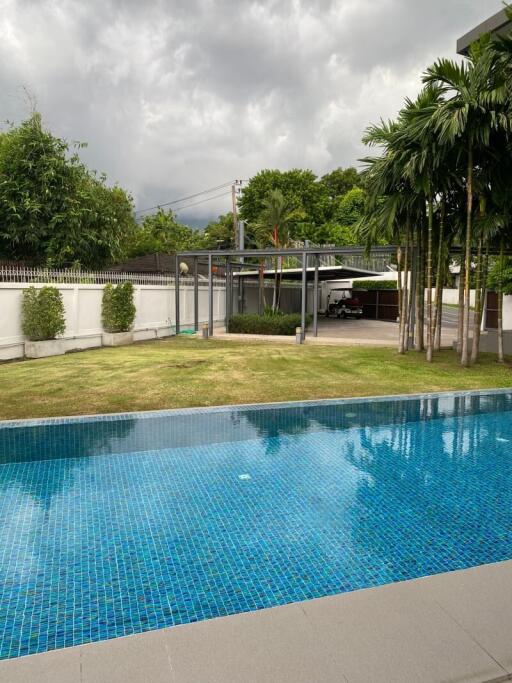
<point>342,304</point>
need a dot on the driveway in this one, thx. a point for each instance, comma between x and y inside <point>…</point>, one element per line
<point>381,330</point>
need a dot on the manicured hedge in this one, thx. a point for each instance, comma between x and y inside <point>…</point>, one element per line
<point>42,313</point>
<point>249,323</point>
<point>375,284</point>
<point>117,307</point>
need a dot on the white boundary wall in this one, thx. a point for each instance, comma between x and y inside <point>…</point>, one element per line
<point>155,315</point>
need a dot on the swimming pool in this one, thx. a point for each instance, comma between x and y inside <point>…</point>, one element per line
<point>114,525</point>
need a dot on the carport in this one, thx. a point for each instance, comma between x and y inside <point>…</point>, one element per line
<point>237,266</point>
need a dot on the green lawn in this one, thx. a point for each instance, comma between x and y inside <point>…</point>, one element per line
<point>189,372</point>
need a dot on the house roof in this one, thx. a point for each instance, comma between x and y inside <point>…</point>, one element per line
<point>499,23</point>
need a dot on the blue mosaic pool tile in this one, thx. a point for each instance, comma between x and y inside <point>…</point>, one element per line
<point>111,527</point>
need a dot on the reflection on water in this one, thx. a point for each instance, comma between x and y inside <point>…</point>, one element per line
<point>83,437</point>
<point>160,528</point>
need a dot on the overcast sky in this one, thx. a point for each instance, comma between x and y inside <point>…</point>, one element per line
<point>179,96</point>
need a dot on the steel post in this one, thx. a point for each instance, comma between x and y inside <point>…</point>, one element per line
<point>304,294</point>
<point>210,295</point>
<point>177,293</point>
<point>315,300</point>
<point>196,295</point>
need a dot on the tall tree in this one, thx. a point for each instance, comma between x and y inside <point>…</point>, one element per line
<point>341,180</point>
<point>52,208</point>
<point>473,107</point>
<point>273,227</point>
<point>161,233</point>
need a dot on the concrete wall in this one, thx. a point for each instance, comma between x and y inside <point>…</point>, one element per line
<point>451,296</point>
<point>155,315</point>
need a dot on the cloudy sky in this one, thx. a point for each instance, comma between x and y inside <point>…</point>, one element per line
<point>178,96</point>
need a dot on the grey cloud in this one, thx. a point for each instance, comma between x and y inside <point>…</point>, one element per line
<point>177,96</point>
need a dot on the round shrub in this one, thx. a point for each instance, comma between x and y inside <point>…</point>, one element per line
<point>42,313</point>
<point>117,307</point>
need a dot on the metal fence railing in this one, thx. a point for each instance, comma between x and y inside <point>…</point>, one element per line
<point>83,277</point>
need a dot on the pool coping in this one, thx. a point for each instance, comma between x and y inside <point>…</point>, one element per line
<point>452,626</point>
<point>242,407</point>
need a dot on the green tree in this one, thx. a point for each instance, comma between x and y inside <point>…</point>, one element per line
<point>219,234</point>
<point>348,208</point>
<point>161,233</point>
<point>274,228</point>
<point>52,209</point>
<point>300,188</point>
<point>341,180</point>
<point>330,205</point>
<point>473,108</point>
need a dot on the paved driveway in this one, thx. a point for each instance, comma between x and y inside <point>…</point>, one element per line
<point>381,330</point>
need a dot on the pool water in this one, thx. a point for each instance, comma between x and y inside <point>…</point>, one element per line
<point>119,524</point>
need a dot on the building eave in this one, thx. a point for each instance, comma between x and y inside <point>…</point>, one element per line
<point>499,23</point>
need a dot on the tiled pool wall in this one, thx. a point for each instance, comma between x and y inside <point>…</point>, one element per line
<point>28,440</point>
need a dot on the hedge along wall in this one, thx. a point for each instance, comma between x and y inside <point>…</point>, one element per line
<point>155,313</point>
<point>375,284</point>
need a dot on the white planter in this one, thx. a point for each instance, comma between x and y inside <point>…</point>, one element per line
<point>42,349</point>
<point>117,338</point>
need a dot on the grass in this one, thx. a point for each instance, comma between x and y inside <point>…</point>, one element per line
<point>184,372</point>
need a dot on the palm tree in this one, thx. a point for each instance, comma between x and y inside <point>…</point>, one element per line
<point>423,161</point>
<point>387,211</point>
<point>273,229</point>
<point>473,106</point>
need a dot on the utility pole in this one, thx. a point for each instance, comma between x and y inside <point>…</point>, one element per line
<point>235,213</point>
<point>236,188</point>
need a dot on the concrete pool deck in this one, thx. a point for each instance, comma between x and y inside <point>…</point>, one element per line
<point>448,628</point>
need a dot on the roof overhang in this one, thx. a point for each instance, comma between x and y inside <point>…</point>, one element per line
<point>499,24</point>
<point>324,273</point>
<point>287,251</point>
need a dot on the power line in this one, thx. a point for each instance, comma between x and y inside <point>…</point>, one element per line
<point>183,199</point>
<point>202,201</point>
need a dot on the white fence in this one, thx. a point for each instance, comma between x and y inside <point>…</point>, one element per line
<point>155,315</point>
<point>80,277</point>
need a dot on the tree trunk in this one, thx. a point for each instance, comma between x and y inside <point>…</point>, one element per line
<point>430,318</point>
<point>439,280</point>
<point>276,277</point>
<point>400,298</point>
<point>280,281</point>
<point>460,321</point>
<point>464,358</point>
<point>477,321</point>
<point>399,279</point>
<point>404,302</point>
<point>501,355</point>
<point>261,288</point>
<point>439,319</point>
<point>420,295</point>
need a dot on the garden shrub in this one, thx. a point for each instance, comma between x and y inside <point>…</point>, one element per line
<point>117,307</point>
<point>42,313</point>
<point>375,284</point>
<point>270,323</point>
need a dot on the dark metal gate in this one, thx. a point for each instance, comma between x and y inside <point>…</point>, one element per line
<point>378,304</point>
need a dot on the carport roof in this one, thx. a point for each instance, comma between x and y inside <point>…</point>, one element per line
<point>324,273</point>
